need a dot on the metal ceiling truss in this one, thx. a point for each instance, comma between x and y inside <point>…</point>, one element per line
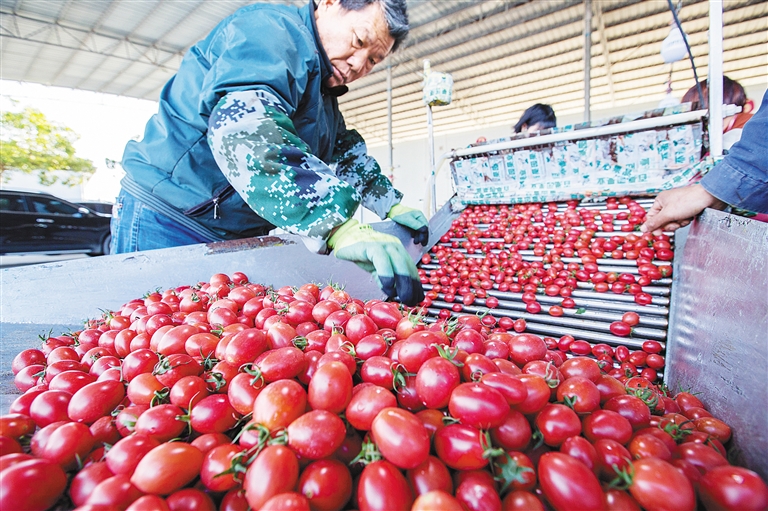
<point>503,54</point>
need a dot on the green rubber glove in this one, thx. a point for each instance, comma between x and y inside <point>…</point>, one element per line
<point>383,256</point>
<point>413,220</point>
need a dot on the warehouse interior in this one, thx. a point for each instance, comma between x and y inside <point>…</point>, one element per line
<point>503,56</point>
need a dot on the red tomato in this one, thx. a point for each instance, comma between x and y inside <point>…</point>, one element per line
<point>658,485</point>
<point>217,461</point>
<point>516,471</point>
<point>581,366</point>
<point>607,424</point>
<point>245,346</point>
<point>116,492</point>
<point>316,434</point>
<point>382,487</point>
<point>167,468</point>
<point>15,425</point>
<point>460,447</point>
<point>330,387</point>
<point>275,470</point>
<point>327,484</point>
<point>512,388</point>
<point>556,423</point>
<point>435,380</point>
<point>436,499</point>
<point>213,414</point>
<point>145,502</point>
<point>50,407</point>
<point>366,403</point>
<point>733,488</point>
<point>279,404</point>
<point>33,484</point>
<point>514,434</point>
<point>401,437</point>
<point>581,392</point>
<point>476,491</point>
<point>161,422</point>
<point>649,446</point>
<point>171,369</point>
<point>611,456</point>
<point>568,484</point>
<point>190,499</point>
<point>580,448</point>
<point>525,348</point>
<point>430,475</point>
<point>85,481</point>
<point>538,393</point>
<point>67,445</point>
<point>189,390</point>
<point>478,405</point>
<point>521,501</point>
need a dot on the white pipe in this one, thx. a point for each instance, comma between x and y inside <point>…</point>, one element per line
<point>389,120</point>
<point>432,168</point>
<point>588,60</point>
<point>715,78</point>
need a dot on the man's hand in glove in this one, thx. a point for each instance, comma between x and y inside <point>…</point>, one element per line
<point>413,220</point>
<point>383,256</point>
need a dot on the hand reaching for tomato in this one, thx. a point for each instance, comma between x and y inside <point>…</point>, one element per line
<point>383,256</point>
<point>676,208</point>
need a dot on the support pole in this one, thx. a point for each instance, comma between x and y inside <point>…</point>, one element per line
<point>431,137</point>
<point>715,78</point>
<point>389,121</point>
<point>587,59</point>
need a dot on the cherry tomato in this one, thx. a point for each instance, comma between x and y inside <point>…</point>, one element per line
<point>279,404</point>
<point>330,387</point>
<point>401,437</point>
<point>460,447</point>
<point>316,434</point>
<point>381,487</point>
<point>659,485</point>
<point>34,484</point>
<point>326,483</point>
<point>733,488</point>
<point>568,484</point>
<point>167,468</point>
<point>366,403</point>
<point>478,405</point>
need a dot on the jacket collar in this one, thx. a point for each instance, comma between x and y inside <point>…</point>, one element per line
<point>326,70</point>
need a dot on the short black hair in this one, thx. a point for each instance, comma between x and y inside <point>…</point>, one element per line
<point>537,114</point>
<point>395,13</point>
<point>733,94</point>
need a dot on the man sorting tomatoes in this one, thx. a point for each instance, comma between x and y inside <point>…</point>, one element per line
<point>249,137</point>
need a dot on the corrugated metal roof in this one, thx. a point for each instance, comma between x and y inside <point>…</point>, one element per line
<point>503,55</point>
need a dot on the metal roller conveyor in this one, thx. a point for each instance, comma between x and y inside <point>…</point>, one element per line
<point>595,311</point>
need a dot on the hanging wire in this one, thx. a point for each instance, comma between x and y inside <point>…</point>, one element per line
<point>688,47</point>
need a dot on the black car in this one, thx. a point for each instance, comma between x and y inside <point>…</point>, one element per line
<point>32,222</point>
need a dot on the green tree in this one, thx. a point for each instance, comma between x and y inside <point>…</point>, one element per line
<point>30,143</point>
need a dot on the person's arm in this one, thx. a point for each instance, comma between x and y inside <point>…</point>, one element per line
<point>257,148</point>
<point>354,166</point>
<point>740,179</point>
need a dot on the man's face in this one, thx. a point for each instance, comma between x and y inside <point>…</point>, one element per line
<point>353,40</point>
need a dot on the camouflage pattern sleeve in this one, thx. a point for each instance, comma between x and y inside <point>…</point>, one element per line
<point>257,148</point>
<point>354,166</point>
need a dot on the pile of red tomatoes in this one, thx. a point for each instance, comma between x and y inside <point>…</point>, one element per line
<point>228,395</point>
<point>550,235</point>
